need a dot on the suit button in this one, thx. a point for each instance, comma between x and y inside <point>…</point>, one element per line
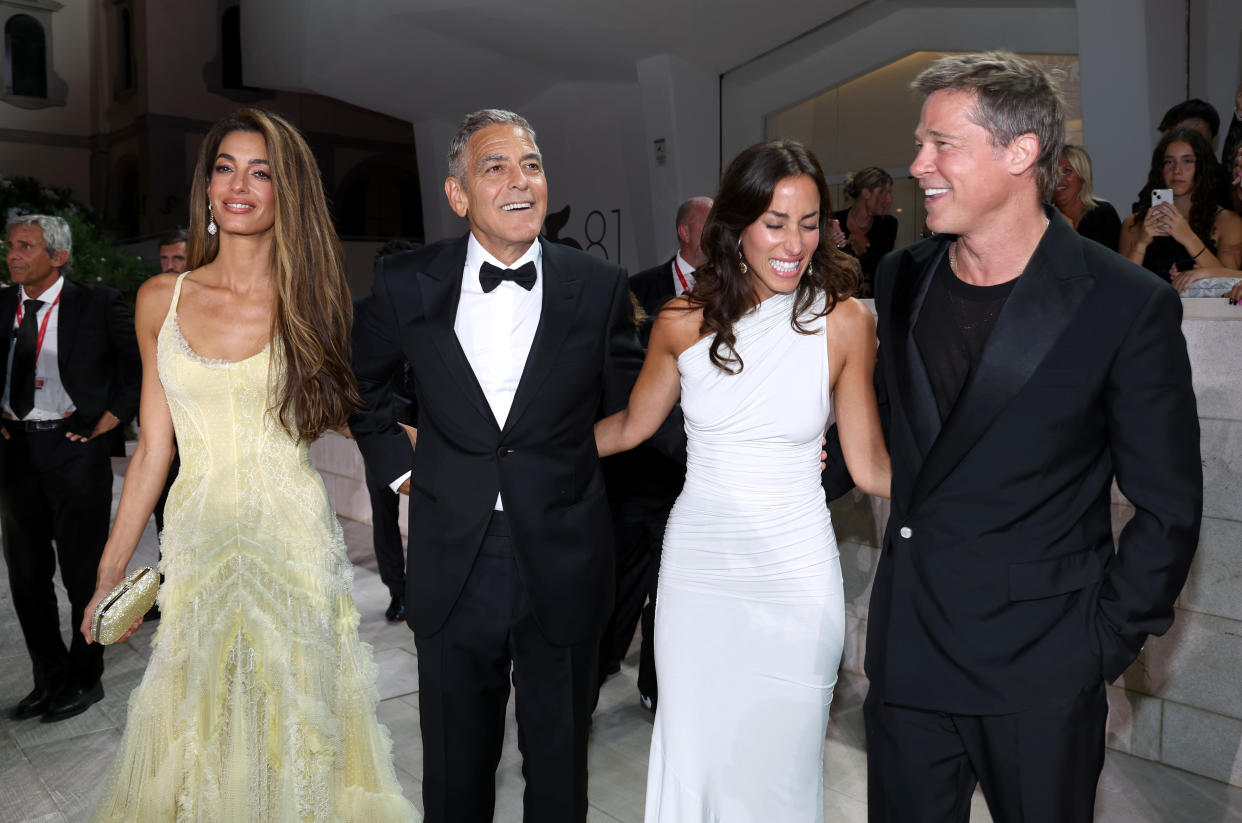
<point>906,532</point>
<point>504,451</point>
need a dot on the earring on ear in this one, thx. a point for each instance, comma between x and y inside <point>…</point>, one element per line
<point>741,261</point>
<point>211,221</point>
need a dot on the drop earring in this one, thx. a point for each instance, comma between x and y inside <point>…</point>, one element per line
<point>211,221</point>
<point>741,261</point>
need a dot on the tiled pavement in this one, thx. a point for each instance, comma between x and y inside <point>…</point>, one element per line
<point>51,772</point>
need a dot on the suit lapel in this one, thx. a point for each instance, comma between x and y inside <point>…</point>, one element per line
<point>67,323</point>
<point>909,291</point>
<point>561,289</point>
<point>440,286</point>
<point>1042,304</point>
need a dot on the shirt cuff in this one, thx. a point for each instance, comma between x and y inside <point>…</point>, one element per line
<point>396,484</point>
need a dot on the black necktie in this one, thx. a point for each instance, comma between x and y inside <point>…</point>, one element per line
<point>22,385</point>
<point>490,276</point>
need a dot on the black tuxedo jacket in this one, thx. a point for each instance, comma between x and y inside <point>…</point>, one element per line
<point>97,352</point>
<point>582,364</point>
<point>998,588</point>
<point>653,287</point>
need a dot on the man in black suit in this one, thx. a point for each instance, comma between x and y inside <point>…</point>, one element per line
<point>643,483</point>
<point>656,286</point>
<point>1021,369</point>
<point>516,347</point>
<point>72,374</point>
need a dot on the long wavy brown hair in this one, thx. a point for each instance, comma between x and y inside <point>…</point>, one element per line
<point>1203,206</point>
<point>313,314</point>
<point>721,289</point>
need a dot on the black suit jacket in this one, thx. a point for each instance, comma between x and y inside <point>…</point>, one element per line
<point>653,287</point>
<point>998,588</point>
<point>97,352</point>
<point>583,363</point>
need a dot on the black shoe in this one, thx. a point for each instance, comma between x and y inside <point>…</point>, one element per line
<point>396,609</point>
<point>33,704</point>
<point>72,701</point>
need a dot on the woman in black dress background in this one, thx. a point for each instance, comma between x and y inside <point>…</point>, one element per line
<point>1091,217</point>
<point>870,232</point>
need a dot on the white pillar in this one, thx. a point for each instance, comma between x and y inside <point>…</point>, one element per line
<point>681,108</point>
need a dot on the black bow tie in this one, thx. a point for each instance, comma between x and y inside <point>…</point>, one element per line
<point>490,276</point>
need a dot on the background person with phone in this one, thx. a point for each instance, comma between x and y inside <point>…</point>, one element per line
<point>1191,230</point>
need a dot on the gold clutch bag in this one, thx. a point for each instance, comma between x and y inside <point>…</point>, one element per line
<point>129,601</point>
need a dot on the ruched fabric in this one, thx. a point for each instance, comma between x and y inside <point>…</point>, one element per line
<point>750,609</point>
<point>258,703</point>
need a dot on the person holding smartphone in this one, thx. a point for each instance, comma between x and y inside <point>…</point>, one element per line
<point>1176,224</point>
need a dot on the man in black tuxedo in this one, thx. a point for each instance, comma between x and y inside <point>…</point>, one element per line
<point>72,374</point>
<point>643,483</point>
<point>516,347</point>
<point>1021,369</point>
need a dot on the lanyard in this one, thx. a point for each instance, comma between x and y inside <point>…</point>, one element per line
<point>42,326</point>
<point>677,270</point>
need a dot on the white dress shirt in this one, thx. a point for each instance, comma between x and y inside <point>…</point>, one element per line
<point>687,271</point>
<point>51,401</point>
<point>496,329</point>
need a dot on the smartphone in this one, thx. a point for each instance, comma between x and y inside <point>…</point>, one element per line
<point>1159,196</point>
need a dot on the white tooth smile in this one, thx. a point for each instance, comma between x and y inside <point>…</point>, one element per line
<point>934,192</point>
<point>515,206</point>
<point>784,267</point>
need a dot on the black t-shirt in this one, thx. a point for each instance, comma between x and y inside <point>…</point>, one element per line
<point>952,329</point>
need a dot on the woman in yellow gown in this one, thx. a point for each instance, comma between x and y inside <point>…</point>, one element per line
<point>258,703</point>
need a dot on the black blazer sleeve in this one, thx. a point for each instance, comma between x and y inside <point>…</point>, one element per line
<point>377,358</point>
<point>128,385</point>
<point>1102,225</point>
<point>1154,440</point>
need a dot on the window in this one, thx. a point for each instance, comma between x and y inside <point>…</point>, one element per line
<point>25,57</point>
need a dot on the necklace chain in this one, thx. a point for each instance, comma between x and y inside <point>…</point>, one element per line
<point>953,254</point>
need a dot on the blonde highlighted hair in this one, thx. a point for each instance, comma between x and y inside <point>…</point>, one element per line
<point>313,314</point>
<point>1080,162</point>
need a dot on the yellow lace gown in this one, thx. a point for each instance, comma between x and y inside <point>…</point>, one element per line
<point>258,703</point>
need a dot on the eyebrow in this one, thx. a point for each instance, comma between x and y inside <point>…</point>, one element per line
<point>492,158</point>
<point>936,133</point>
<point>254,161</point>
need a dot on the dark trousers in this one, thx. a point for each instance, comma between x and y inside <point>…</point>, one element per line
<point>464,671</point>
<point>55,491</point>
<point>639,537</point>
<point>386,535</point>
<point>1035,766</point>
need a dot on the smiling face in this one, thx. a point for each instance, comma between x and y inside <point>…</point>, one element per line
<point>1179,168</point>
<point>967,182</point>
<point>504,195</point>
<point>240,191</point>
<point>30,265</point>
<point>1069,184</point>
<point>778,246</point>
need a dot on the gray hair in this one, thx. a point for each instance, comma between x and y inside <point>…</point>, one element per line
<point>56,234</point>
<point>1013,96</point>
<point>686,208</point>
<point>477,121</point>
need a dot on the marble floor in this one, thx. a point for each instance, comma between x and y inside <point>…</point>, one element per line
<point>51,772</point>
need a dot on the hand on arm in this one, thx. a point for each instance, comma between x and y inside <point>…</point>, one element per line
<point>148,468</point>
<point>658,386</point>
<point>852,349</point>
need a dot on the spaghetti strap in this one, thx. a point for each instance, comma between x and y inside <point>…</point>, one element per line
<point>172,307</point>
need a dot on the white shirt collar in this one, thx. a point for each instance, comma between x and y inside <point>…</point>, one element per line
<point>682,265</point>
<point>476,256</point>
<point>48,296</point>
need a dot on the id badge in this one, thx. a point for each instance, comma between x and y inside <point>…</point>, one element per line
<point>38,383</point>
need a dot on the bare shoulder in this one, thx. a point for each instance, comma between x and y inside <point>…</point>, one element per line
<point>1228,223</point>
<point>154,298</point>
<point>678,324</point>
<point>851,319</point>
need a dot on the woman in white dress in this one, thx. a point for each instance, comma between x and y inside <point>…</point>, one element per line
<point>750,614</point>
